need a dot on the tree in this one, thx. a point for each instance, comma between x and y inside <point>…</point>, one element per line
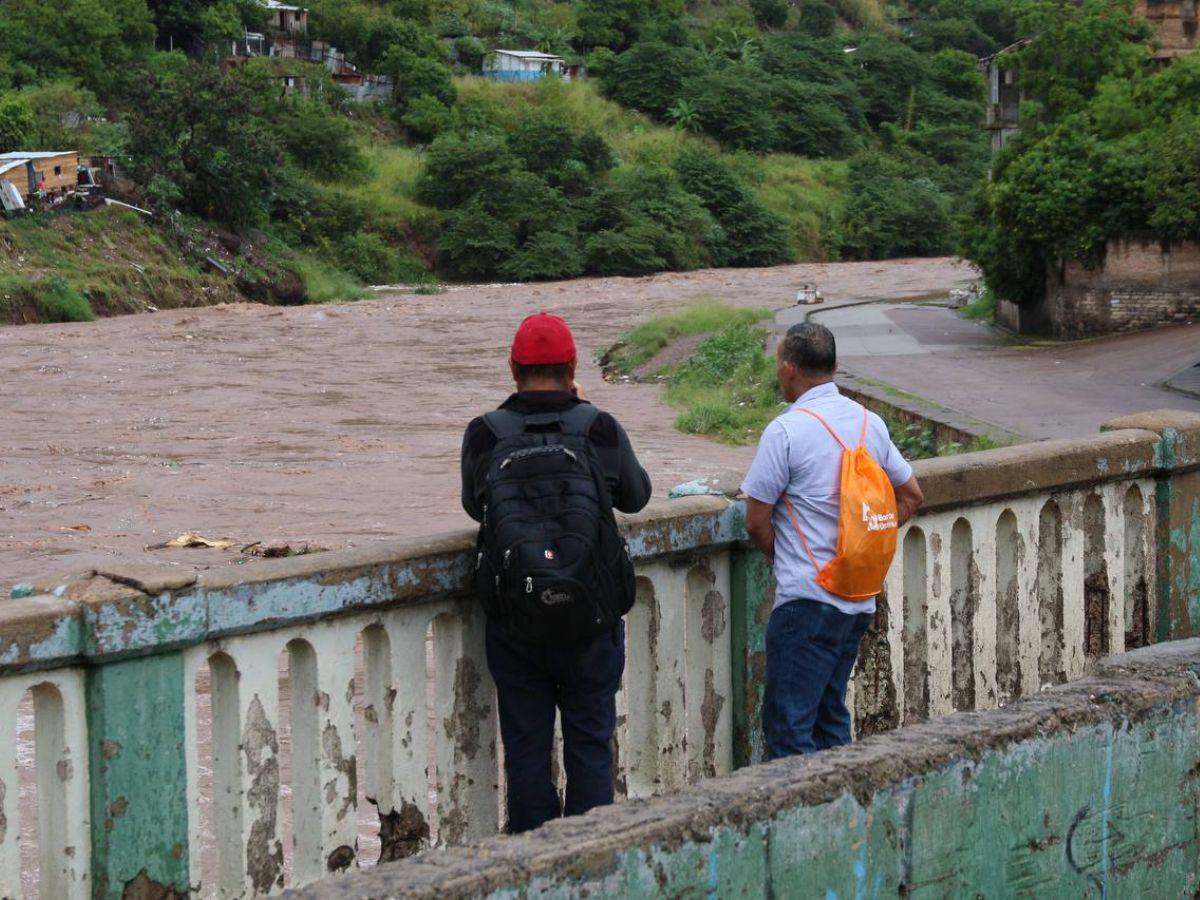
<point>16,123</point>
<point>547,255</point>
<point>749,234</point>
<point>734,106</point>
<point>818,18</point>
<point>770,13</point>
<point>100,43</point>
<point>427,117</point>
<point>650,76</point>
<point>1076,46</point>
<point>475,243</point>
<point>619,23</point>
<point>209,134</point>
<point>419,76</point>
<point>809,121</point>
<point>888,75</point>
<point>956,74</point>
<point>458,168</point>
<point>892,210</point>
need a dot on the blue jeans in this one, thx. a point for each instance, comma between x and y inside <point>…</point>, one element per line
<point>811,648</point>
<point>581,682</point>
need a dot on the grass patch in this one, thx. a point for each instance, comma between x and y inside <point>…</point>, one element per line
<point>643,342</point>
<point>727,388</point>
<point>385,192</point>
<point>57,301</point>
<point>323,283</point>
<point>983,308</point>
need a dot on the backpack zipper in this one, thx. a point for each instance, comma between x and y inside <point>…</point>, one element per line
<point>529,585</point>
<point>507,555</point>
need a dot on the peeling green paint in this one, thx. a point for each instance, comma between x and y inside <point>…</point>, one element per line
<point>139,809</point>
<point>751,585</point>
<point>1108,810</point>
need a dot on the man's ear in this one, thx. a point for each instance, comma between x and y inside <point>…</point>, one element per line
<point>571,371</point>
<point>515,369</point>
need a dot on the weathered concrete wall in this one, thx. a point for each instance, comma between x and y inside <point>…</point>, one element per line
<point>1086,790</point>
<point>1027,565</point>
<point>1140,284</point>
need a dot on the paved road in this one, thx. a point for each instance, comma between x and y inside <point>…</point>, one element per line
<point>1062,390</point>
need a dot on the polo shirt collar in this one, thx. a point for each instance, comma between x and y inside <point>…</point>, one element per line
<point>829,389</point>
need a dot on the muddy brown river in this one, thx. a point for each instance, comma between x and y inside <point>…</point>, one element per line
<point>333,425</point>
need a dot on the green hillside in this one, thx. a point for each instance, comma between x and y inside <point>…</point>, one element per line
<point>706,133</point>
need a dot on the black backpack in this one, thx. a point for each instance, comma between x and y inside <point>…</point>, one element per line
<point>551,566</point>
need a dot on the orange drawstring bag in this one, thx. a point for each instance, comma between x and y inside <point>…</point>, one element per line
<point>867,524</point>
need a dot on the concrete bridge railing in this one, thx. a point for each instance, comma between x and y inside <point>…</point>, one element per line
<point>246,728</point>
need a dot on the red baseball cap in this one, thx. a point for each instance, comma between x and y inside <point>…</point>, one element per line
<point>543,340</point>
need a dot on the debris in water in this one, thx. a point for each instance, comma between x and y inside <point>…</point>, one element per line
<point>190,539</point>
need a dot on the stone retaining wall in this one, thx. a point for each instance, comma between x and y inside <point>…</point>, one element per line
<point>1139,284</point>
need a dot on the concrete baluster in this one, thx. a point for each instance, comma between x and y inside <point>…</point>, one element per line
<point>638,742</point>
<point>707,663</point>
<point>465,710</point>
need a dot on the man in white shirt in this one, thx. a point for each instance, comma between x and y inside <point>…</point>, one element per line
<point>813,635</point>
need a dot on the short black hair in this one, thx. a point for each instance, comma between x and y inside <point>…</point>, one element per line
<point>811,348</point>
<point>557,371</point>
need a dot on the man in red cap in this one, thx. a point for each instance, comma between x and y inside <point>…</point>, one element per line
<point>542,475</point>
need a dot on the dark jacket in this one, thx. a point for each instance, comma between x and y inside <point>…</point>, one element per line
<point>627,480</point>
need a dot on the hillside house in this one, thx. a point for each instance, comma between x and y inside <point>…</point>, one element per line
<point>523,65</point>
<point>287,39</point>
<point>286,19</point>
<point>1174,24</point>
<point>58,170</point>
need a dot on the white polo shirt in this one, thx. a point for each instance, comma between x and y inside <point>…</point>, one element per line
<point>796,454</point>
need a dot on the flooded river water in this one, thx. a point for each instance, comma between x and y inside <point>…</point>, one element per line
<point>334,425</point>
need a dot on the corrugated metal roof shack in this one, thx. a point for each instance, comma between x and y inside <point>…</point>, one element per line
<point>25,170</point>
<point>522,65</point>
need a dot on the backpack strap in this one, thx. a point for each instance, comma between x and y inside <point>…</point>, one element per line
<point>862,438</point>
<point>579,419</point>
<point>504,423</point>
<point>796,524</point>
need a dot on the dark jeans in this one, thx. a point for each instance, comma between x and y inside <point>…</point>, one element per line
<point>811,648</point>
<point>581,682</point>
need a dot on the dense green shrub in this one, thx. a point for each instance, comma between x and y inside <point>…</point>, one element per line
<point>893,210</point>
<point>475,243</point>
<point>748,234</point>
<point>650,76</point>
<point>16,123</point>
<point>457,168</point>
<point>371,259</point>
<point>547,255</point>
<point>734,106</point>
<point>629,251</point>
<point>818,18</point>
<point>809,120</point>
<point>770,13</point>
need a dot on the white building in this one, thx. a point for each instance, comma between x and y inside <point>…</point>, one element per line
<point>522,65</point>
